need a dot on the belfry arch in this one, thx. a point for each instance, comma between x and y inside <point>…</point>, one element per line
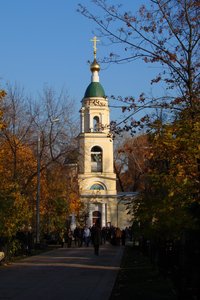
<point>96,159</point>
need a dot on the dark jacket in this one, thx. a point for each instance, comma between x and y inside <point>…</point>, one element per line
<point>96,235</point>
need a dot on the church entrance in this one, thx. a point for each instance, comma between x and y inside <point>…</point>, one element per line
<point>96,215</point>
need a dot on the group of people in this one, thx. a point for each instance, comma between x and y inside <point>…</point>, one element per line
<point>95,236</point>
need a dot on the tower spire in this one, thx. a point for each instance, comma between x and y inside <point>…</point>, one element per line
<point>95,40</point>
<point>95,67</point>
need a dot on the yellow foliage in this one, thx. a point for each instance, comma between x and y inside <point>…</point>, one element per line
<point>171,194</point>
<point>74,202</point>
<point>2,94</point>
<point>15,169</point>
<point>14,214</point>
<point>19,163</point>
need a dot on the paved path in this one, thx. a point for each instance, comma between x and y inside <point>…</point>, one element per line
<point>64,273</point>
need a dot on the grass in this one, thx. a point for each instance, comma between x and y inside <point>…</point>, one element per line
<point>138,279</point>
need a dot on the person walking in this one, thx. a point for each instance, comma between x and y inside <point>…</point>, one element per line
<point>62,238</point>
<point>118,235</point>
<point>69,238</point>
<point>78,235</point>
<point>96,237</point>
<point>123,237</point>
<point>86,236</point>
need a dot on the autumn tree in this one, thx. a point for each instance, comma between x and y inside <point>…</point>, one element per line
<point>15,208</point>
<point>130,159</point>
<point>15,212</point>
<point>26,121</point>
<point>54,208</point>
<point>53,128</point>
<point>29,124</point>
<point>18,124</point>
<point>2,95</point>
<point>172,181</point>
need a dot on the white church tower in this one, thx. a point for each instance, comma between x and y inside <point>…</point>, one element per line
<point>97,180</point>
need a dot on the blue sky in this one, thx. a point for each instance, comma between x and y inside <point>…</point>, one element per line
<point>48,42</point>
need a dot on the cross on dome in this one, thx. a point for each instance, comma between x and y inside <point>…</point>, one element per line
<point>95,40</point>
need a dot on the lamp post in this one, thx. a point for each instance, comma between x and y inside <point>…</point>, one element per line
<point>38,186</point>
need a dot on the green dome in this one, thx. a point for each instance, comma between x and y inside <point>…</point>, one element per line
<point>94,89</point>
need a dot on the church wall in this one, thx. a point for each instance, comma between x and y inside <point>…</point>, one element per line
<point>86,182</point>
<point>86,142</point>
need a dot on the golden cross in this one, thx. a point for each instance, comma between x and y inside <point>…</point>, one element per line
<point>95,40</point>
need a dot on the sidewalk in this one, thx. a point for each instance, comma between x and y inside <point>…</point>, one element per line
<point>64,273</point>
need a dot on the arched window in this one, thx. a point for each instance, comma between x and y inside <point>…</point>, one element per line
<point>97,187</point>
<point>96,124</point>
<point>96,159</point>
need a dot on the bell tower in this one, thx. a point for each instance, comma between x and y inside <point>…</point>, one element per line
<point>97,180</point>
